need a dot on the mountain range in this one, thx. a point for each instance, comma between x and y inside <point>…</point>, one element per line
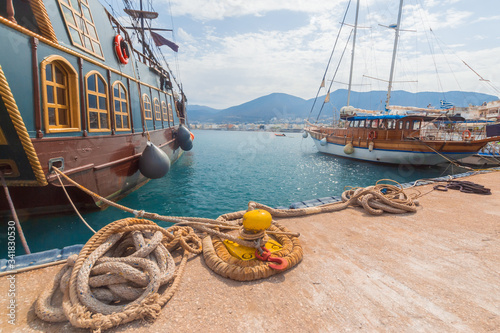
<point>284,107</point>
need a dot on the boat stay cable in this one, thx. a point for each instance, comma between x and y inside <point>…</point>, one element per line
<point>334,75</point>
<point>329,60</point>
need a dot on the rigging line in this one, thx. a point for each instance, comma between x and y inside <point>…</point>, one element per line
<point>335,74</point>
<point>329,60</point>
<point>480,77</point>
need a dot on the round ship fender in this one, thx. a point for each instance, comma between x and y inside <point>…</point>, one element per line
<point>154,162</point>
<point>184,138</point>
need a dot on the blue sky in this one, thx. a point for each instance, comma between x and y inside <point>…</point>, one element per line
<point>233,51</point>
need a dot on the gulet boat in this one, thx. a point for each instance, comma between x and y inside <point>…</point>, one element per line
<point>399,134</point>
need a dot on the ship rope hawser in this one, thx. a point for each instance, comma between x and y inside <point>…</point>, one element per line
<point>77,94</point>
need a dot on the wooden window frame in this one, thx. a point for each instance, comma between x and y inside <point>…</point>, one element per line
<point>72,95</point>
<point>120,112</point>
<point>164,111</point>
<point>78,17</point>
<point>97,110</point>
<point>146,104</point>
<point>157,109</point>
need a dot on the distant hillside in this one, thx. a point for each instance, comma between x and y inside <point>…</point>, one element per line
<point>281,106</point>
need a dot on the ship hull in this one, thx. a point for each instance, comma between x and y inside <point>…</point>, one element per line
<point>390,156</point>
<point>107,166</point>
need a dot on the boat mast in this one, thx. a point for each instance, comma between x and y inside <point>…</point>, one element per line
<point>352,56</point>
<point>396,39</point>
<point>142,30</point>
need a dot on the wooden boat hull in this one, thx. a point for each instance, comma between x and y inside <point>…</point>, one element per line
<point>390,156</point>
<point>107,165</point>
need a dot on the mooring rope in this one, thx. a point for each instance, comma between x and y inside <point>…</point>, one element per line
<point>102,287</point>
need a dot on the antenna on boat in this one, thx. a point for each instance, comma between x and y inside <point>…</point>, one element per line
<point>394,51</point>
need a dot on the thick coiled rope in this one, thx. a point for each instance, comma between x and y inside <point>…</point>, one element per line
<point>118,275</point>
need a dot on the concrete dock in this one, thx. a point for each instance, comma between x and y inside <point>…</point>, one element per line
<point>437,270</point>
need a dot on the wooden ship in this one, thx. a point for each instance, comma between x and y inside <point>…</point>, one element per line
<point>77,95</point>
<point>400,134</point>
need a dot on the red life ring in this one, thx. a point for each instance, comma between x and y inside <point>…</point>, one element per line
<point>372,135</point>
<point>466,135</point>
<point>121,49</point>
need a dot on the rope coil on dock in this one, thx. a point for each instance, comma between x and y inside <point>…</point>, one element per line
<point>119,276</point>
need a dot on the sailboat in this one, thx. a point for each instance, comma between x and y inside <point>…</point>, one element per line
<point>398,135</point>
<point>77,95</point>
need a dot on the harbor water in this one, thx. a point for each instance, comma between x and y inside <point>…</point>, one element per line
<point>224,171</point>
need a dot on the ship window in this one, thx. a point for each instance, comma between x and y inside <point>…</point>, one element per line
<point>407,126</point>
<point>361,123</point>
<point>157,109</point>
<point>97,102</point>
<point>146,103</point>
<point>81,27</point>
<point>400,124</point>
<point>381,124</point>
<point>120,102</point>
<point>416,125</point>
<point>60,95</point>
<point>356,123</point>
<point>391,124</point>
<point>164,110</point>
<point>375,123</point>
<point>368,123</point>
<point>170,113</point>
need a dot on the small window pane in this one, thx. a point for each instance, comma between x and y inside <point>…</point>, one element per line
<point>88,44</point>
<point>104,120</point>
<point>93,120</point>
<point>125,122</point>
<point>118,121</point>
<point>50,94</point>
<point>375,123</point>
<point>48,73</point>
<point>61,96</point>
<point>68,14</point>
<point>97,48</point>
<point>416,125</point>
<point>122,93</point>
<point>124,107</point>
<point>100,85</point>
<point>75,5</point>
<point>93,101</point>
<point>102,103</point>
<point>59,75</point>
<point>91,82</point>
<point>52,116</point>
<point>92,31</point>
<point>86,13</point>
<point>117,91</point>
<point>117,106</point>
<point>75,35</point>
<point>361,123</point>
<point>63,117</point>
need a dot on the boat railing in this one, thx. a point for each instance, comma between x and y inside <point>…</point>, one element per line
<point>453,133</point>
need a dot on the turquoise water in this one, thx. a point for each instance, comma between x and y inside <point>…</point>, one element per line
<point>221,174</point>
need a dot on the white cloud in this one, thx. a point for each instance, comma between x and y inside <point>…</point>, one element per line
<point>222,70</point>
<point>218,10</point>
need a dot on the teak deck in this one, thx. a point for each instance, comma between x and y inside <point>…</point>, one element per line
<point>434,271</point>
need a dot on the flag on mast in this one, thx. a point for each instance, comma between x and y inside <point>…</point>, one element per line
<point>160,40</point>
<point>327,98</point>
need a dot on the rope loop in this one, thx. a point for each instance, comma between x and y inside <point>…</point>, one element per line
<point>119,275</point>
